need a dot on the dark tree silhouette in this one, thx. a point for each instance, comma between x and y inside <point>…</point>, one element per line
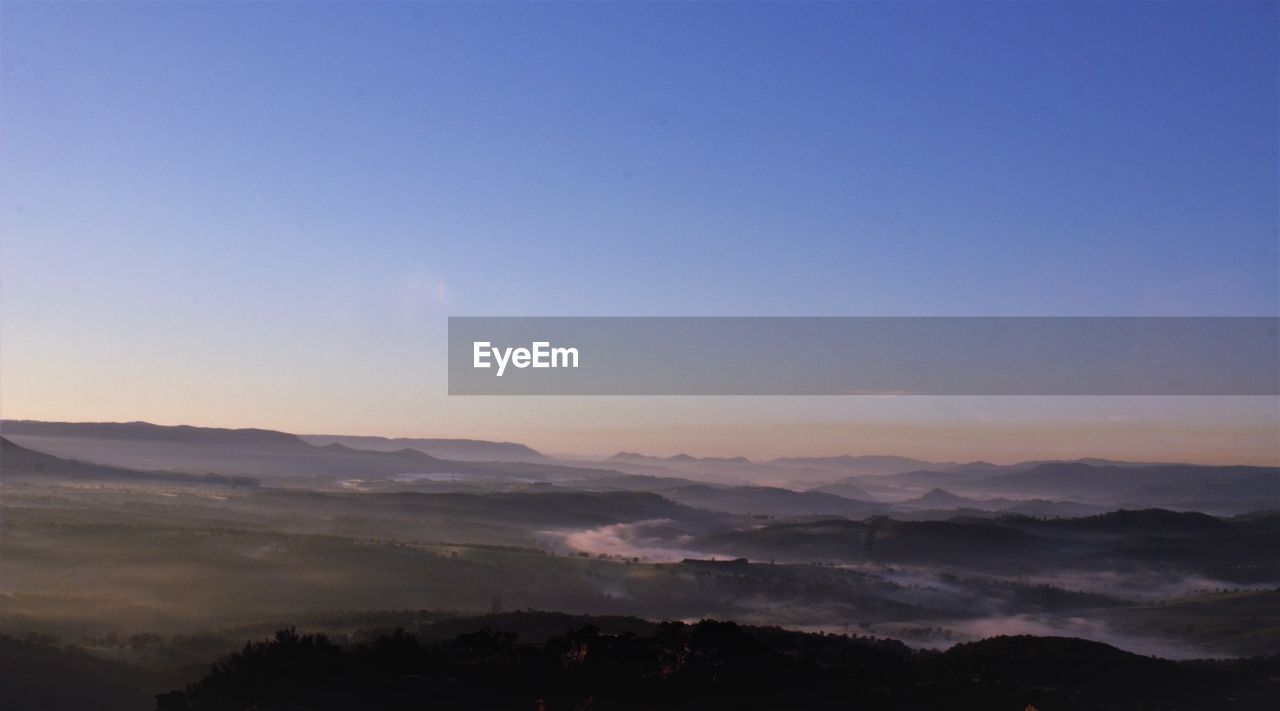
<point>710,665</point>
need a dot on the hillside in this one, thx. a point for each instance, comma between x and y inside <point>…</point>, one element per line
<point>18,462</point>
<point>768,501</point>
<point>1158,540</point>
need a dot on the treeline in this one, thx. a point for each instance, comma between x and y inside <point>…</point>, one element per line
<point>710,665</point>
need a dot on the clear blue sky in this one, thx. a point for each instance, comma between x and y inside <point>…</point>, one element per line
<point>281,203</point>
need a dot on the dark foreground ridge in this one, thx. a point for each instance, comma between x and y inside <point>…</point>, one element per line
<point>708,665</point>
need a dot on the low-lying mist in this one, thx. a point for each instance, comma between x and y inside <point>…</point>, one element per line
<point>246,540</point>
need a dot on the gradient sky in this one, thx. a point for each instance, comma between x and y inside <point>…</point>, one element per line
<point>260,215</point>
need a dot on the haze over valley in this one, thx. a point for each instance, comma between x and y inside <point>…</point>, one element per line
<point>164,546</point>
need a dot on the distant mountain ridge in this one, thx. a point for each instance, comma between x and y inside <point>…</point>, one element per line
<point>256,452</point>
<point>463,450</point>
<point>941,498</point>
<point>453,449</point>
<point>676,459</point>
<point>843,485</point>
<point>871,465</point>
<point>865,464</point>
<point>147,431</point>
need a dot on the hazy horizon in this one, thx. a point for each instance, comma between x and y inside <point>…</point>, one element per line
<point>1093,442</point>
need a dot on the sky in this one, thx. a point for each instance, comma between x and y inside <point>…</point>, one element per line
<point>237,214</point>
